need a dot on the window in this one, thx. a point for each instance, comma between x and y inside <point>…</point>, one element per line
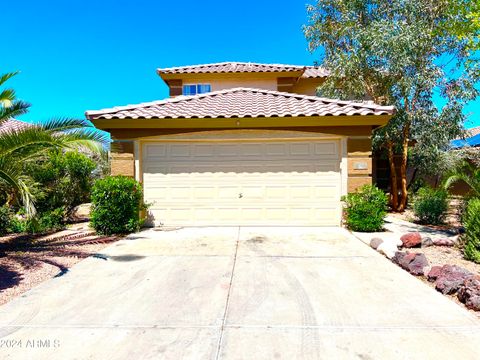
<point>194,89</point>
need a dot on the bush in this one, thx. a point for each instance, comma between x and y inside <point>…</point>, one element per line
<point>5,219</point>
<point>366,209</point>
<point>430,205</point>
<point>64,180</point>
<point>471,222</point>
<point>18,225</point>
<point>116,205</point>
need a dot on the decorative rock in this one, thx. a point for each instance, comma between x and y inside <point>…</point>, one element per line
<point>410,240</point>
<point>469,293</point>
<point>448,278</point>
<point>443,242</point>
<point>426,242</point>
<point>435,273</point>
<point>388,249</point>
<point>414,263</point>
<point>375,242</point>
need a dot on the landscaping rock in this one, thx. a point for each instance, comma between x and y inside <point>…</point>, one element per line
<point>426,242</point>
<point>448,278</point>
<point>410,240</point>
<point>469,293</point>
<point>443,242</point>
<point>388,249</point>
<point>375,242</point>
<point>414,263</point>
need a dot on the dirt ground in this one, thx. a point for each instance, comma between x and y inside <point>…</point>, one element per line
<point>27,260</point>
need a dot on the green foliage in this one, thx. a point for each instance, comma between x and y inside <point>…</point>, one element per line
<point>5,220</point>
<point>17,225</point>
<point>471,222</point>
<point>22,147</point>
<point>469,173</point>
<point>399,53</point>
<point>366,209</point>
<point>116,205</point>
<point>63,180</point>
<point>430,205</point>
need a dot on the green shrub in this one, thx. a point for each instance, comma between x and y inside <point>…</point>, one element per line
<point>471,222</point>
<point>18,225</point>
<point>48,221</point>
<point>64,180</point>
<point>430,205</point>
<point>366,209</point>
<point>5,219</point>
<point>116,205</point>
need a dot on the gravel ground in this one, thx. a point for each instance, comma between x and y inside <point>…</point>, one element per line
<point>26,261</point>
<point>442,255</point>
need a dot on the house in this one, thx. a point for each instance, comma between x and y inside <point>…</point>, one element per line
<point>244,144</point>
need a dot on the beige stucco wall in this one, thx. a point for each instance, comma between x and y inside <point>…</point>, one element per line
<point>306,86</point>
<point>229,82</point>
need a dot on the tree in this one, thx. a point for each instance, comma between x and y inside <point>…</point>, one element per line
<point>20,147</point>
<point>400,53</point>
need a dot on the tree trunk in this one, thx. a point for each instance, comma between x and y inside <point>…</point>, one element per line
<point>393,178</point>
<point>403,170</point>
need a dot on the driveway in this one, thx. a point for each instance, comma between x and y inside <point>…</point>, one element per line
<point>237,293</point>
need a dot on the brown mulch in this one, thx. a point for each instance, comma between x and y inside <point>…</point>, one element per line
<point>28,260</point>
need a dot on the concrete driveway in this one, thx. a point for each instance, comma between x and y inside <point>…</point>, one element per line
<point>237,293</point>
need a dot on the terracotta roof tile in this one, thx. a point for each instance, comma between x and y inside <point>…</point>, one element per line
<point>244,67</point>
<point>240,103</point>
<point>473,131</point>
<point>13,125</point>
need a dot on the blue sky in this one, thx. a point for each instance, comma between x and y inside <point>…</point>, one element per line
<point>85,55</point>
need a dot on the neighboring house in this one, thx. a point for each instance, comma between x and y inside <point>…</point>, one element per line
<point>244,144</point>
<point>13,125</point>
<point>471,140</point>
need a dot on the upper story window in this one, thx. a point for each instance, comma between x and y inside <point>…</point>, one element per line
<point>194,89</point>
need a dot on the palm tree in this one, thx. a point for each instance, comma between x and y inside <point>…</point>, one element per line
<point>18,147</point>
<point>467,172</point>
<point>9,106</point>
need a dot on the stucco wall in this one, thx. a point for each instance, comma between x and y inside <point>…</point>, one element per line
<point>307,86</point>
<point>232,82</point>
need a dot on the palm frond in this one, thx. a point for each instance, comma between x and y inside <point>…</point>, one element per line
<point>16,108</point>
<point>7,96</point>
<point>89,138</point>
<point>5,77</point>
<point>11,176</point>
<point>26,142</point>
<point>63,124</point>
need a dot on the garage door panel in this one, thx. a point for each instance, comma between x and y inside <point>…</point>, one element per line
<point>268,183</point>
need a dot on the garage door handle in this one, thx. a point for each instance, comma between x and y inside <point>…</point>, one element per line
<point>240,195</point>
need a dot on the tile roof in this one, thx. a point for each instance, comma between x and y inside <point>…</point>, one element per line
<point>240,103</point>
<point>473,131</point>
<point>472,138</point>
<point>244,67</point>
<point>13,125</point>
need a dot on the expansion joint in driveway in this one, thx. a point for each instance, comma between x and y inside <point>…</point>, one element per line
<point>224,320</point>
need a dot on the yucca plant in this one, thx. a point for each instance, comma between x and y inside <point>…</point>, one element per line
<point>17,147</point>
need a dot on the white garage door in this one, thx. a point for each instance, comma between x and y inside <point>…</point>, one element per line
<point>243,183</point>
